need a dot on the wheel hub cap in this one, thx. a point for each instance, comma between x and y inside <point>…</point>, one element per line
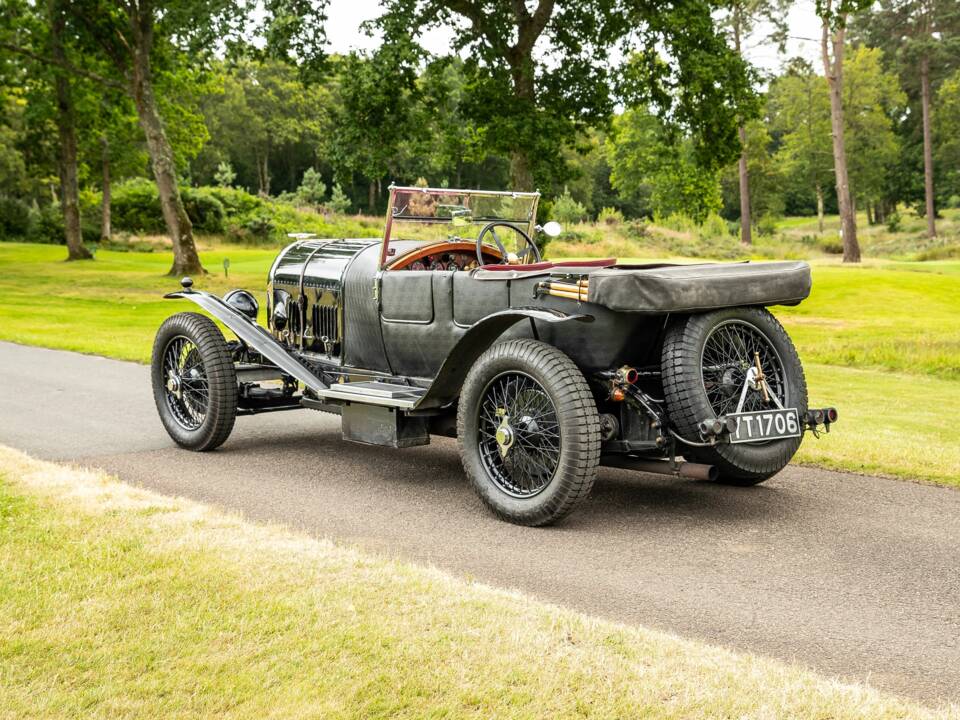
<point>505,435</point>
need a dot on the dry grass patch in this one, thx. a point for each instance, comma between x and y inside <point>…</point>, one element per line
<point>116,602</point>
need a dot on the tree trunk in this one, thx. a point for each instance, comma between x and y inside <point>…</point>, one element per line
<point>927,145</point>
<point>263,173</point>
<point>186,261</point>
<point>66,126</point>
<point>834,72</point>
<point>521,167</point>
<point>745,236</point>
<point>372,197</point>
<point>105,231</point>
<point>819,209</point>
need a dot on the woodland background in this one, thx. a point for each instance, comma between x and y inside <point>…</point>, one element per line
<point>227,118</point>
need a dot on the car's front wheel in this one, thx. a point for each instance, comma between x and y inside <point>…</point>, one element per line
<point>194,381</point>
<point>529,432</point>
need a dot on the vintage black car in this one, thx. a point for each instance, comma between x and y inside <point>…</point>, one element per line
<point>452,324</point>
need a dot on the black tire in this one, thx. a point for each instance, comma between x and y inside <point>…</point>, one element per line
<point>191,422</point>
<point>688,403</point>
<point>567,438</point>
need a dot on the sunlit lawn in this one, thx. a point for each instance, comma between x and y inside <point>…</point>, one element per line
<point>119,603</point>
<point>881,341</point>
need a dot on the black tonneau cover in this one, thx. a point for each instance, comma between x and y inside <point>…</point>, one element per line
<point>689,288</point>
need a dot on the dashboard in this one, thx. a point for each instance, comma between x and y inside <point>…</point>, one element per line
<point>444,256</point>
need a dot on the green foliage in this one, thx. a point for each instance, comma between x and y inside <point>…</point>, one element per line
<point>528,105</point>
<point>14,217</point>
<point>658,174</point>
<point>205,211</point>
<point>225,176</point>
<point>339,202</point>
<point>767,225</point>
<point>567,210</point>
<point>894,221</point>
<point>714,226</point>
<point>312,188</point>
<point>136,207</point>
<point>610,216</point>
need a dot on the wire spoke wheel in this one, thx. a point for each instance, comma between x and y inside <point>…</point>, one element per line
<point>730,355</point>
<point>186,387</point>
<point>518,434</point>
<point>194,381</point>
<point>731,360</point>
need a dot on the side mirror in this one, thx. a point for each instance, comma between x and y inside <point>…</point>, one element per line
<point>552,228</point>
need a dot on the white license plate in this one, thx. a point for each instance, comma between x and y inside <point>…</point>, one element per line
<point>766,425</point>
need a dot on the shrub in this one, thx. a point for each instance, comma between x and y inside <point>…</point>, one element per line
<point>224,176</point>
<point>339,202</point>
<point>610,216</point>
<point>714,226</point>
<point>830,244</point>
<point>767,225</point>
<point>953,202</point>
<point>893,222</point>
<point>236,201</point>
<point>46,226</point>
<point>312,188</point>
<point>678,222</point>
<point>14,217</point>
<point>204,210</point>
<point>567,210</point>
<point>638,230</point>
<point>136,206</point>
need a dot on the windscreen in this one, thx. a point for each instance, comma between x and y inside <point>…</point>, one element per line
<point>438,214</point>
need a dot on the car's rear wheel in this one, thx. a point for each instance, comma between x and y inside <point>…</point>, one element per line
<point>194,381</point>
<point>529,432</point>
<point>706,359</point>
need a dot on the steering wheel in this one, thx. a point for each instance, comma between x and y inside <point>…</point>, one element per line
<point>520,257</point>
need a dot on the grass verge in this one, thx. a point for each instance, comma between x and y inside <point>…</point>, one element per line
<point>116,602</point>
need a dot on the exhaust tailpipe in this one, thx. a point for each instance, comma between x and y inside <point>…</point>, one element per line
<point>692,471</point>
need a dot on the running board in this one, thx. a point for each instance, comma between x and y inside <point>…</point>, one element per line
<point>374,392</point>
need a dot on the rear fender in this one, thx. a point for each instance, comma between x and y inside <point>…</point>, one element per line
<point>253,335</point>
<point>481,335</point>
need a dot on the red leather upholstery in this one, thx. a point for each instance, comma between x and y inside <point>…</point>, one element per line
<point>605,262</point>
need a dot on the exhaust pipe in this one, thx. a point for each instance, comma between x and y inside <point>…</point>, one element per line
<point>692,471</point>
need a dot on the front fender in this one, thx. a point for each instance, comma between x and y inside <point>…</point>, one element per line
<point>253,335</point>
<point>481,335</point>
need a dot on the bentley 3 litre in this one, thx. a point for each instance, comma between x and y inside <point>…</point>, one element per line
<point>453,324</point>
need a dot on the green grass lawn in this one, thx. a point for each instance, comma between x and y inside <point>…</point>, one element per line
<point>880,341</point>
<point>119,603</point>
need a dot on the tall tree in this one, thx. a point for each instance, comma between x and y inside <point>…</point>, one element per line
<point>261,108</point>
<point>372,120</point>
<point>872,98</point>
<point>833,16</point>
<point>742,19</point>
<point>66,125</point>
<point>799,111</point>
<point>920,40</point>
<point>658,172</point>
<point>539,72</point>
<point>39,34</point>
<point>139,37</point>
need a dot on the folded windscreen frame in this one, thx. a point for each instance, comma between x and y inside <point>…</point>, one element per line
<point>437,214</point>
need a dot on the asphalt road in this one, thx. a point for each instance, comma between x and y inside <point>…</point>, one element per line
<point>853,576</point>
